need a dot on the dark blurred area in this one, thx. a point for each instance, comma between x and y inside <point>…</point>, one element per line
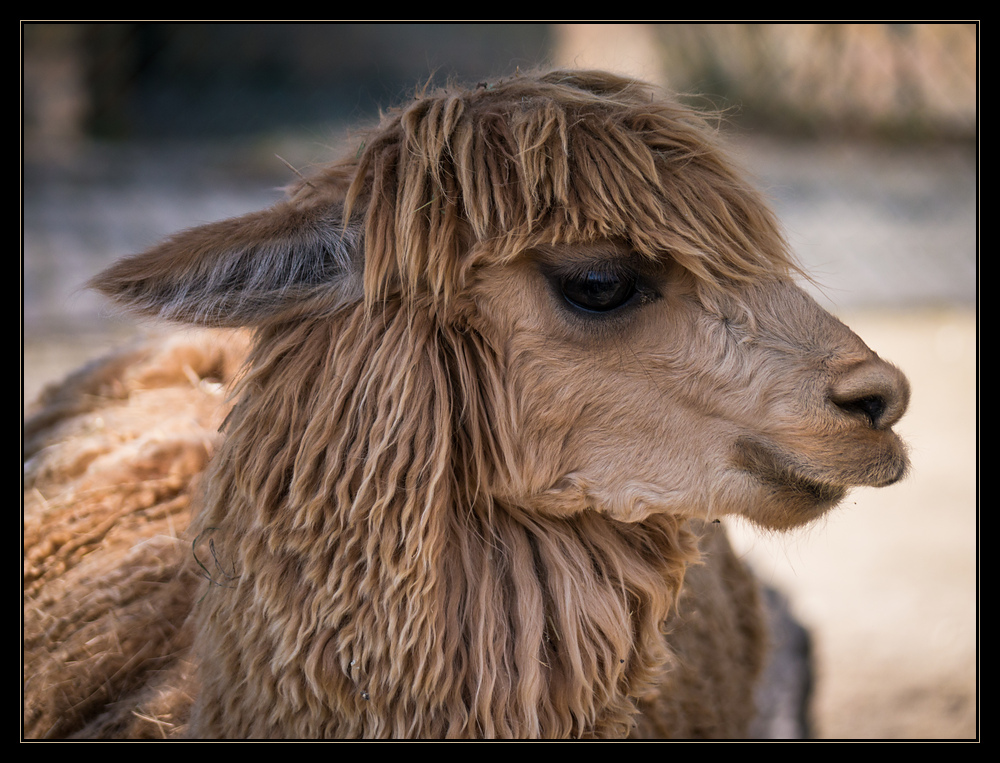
<point>117,81</point>
<point>198,81</point>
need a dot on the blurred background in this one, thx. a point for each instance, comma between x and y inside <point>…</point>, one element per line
<point>865,136</point>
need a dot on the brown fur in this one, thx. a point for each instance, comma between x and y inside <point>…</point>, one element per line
<point>111,461</point>
<point>450,502</point>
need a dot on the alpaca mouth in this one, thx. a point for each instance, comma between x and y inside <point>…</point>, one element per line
<point>782,473</point>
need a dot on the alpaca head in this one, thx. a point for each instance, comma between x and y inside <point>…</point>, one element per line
<point>602,308</point>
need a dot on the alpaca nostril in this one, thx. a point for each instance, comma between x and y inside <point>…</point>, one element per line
<point>872,407</point>
<point>876,390</point>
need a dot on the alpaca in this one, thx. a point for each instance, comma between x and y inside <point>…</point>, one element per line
<point>484,388</point>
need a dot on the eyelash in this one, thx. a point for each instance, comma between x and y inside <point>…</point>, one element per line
<point>598,291</point>
<point>602,291</point>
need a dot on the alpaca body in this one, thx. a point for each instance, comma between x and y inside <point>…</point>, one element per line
<point>504,369</point>
<point>123,570</point>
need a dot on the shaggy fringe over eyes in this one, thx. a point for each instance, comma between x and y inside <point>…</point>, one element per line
<point>561,158</point>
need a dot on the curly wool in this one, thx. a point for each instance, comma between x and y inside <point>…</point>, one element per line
<point>564,616</point>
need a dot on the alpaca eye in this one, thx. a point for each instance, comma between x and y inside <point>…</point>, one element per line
<point>598,291</point>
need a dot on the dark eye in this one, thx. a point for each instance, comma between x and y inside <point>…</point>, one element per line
<point>598,291</point>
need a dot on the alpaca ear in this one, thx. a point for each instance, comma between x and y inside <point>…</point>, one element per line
<point>286,261</point>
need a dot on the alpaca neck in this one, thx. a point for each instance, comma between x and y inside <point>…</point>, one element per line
<point>375,590</point>
<point>519,627</point>
<point>562,616</point>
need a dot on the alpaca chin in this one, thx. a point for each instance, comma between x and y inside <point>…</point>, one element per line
<point>796,490</point>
